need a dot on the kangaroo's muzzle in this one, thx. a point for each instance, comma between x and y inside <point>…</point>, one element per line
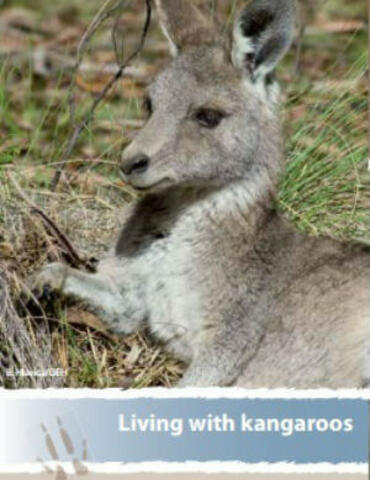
<point>136,165</point>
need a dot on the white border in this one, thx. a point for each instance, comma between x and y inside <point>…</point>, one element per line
<point>206,393</point>
<point>193,467</point>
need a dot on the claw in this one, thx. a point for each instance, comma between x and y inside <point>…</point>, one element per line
<point>47,292</point>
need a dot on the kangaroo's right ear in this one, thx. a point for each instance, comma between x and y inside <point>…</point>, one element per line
<point>184,24</point>
<point>262,34</point>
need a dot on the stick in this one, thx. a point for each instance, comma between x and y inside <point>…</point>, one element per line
<point>58,234</point>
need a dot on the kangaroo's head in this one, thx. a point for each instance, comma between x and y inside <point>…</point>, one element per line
<point>211,119</point>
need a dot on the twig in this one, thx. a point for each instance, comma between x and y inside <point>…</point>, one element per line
<point>103,14</point>
<point>59,235</point>
<point>118,50</point>
<point>122,65</point>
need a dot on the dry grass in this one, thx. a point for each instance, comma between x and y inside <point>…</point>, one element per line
<point>57,333</point>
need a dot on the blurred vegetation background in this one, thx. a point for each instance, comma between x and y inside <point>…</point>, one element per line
<point>324,189</point>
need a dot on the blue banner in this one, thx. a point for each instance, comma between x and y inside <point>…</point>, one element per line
<point>184,429</point>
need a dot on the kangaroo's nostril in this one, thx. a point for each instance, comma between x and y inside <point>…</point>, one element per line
<point>136,165</point>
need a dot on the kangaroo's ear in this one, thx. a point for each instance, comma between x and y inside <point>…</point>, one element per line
<point>184,24</point>
<point>262,34</point>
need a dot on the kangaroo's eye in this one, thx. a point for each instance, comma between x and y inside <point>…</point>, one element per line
<point>148,106</point>
<point>208,117</point>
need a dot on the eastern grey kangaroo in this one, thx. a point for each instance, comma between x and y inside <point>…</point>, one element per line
<point>204,259</point>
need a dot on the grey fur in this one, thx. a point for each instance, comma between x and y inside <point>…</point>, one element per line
<point>206,260</point>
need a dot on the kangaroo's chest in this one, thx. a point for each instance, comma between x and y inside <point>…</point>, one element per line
<point>173,301</point>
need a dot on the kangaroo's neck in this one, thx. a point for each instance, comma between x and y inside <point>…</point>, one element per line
<point>236,209</point>
<point>232,211</point>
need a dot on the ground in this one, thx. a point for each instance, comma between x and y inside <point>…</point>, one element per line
<point>323,189</point>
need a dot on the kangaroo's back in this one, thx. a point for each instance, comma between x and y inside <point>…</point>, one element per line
<point>319,331</point>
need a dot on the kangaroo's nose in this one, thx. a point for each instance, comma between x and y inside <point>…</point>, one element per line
<point>135,165</point>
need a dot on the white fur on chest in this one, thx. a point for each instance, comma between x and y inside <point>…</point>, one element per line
<point>173,300</point>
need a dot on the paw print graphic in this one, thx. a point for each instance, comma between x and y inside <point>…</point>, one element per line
<point>78,457</point>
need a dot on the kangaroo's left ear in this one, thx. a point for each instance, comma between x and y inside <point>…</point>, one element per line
<point>262,34</point>
<point>184,24</point>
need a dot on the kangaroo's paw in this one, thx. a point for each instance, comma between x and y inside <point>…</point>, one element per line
<point>48,280</point>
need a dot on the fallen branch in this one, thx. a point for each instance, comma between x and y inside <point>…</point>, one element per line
<point>102,15</point>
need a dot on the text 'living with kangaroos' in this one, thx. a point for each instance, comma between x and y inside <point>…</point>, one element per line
<point>225,423</point>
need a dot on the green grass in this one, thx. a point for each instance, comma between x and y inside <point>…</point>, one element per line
<point>323,188</point>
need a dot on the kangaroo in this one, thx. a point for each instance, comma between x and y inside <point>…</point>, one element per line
<point>204,258</point>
